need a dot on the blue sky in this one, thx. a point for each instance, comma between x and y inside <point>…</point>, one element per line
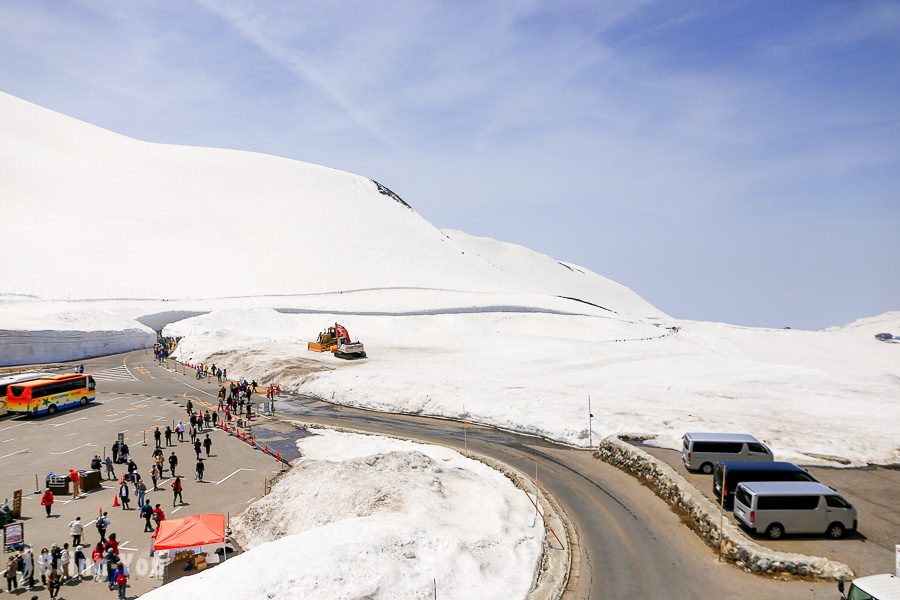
<point>733,161</point>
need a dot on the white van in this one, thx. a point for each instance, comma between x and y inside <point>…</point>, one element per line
<point>701,451</point>
<point>873,587</point>
<point>779,507</point>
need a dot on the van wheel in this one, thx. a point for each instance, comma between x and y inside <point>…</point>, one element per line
<point>83,402</point>
<point>775,531</point>
<point>836,531</point>
<point>706,468</point>
<point>51,410</point>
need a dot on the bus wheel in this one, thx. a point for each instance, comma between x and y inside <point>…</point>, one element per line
<point>706,468</point>
<point>51,410</point>
<point>84,401</point>
<point>775,531</point>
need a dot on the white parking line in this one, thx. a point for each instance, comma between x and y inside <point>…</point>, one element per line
<point>13,453</point>
<point>233,474</point>
<point>73,449</point>
<point>120,418</point>
<point>177,509</point>
<point>9,440</point>
<point>14,426</point>
<point>250,500</point>
<point>194,388</point>
<point>70,422</point>
<point>71,434</point>
<point>90,522</point>
<point>132,549</point>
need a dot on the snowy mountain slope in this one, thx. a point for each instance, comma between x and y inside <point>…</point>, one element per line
<point>109,214</point>
<point>549,275</point>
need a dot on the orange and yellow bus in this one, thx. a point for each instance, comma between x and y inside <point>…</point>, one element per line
<point>50,394</point>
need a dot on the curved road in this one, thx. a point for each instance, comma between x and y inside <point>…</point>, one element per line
<point>631,545</point>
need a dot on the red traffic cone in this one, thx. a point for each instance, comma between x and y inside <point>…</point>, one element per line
<point>116,501</point>
<point>278,458</point>
<point>266,449</point>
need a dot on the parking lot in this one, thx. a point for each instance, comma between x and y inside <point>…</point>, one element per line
<point>873,491</point>
<point>236,474</point>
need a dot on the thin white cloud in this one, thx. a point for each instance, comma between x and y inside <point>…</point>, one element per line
<point>255,28</point>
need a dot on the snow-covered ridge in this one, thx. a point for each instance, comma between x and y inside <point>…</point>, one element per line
<point>163,221</point>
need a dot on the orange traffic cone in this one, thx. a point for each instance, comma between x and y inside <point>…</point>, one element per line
<point>116,501</point>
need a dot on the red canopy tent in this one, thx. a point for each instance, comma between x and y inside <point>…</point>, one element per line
<point>189,532</point>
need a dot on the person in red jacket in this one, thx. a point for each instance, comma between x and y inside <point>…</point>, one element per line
<point>47,500</point>
<point>158,515</point>
<point>75,477</point>
<point>112,542</point>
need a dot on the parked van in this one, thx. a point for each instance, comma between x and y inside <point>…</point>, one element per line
<point>873,587</point>
<point>738,472</point>
<point>701,451</point>
<point>779,507</point>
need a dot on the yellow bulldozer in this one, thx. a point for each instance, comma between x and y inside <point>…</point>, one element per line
<point>337,341</point>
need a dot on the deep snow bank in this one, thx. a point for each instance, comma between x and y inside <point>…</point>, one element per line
<point>371,517</point>
<point>38,332</point>
<point>810,395</point>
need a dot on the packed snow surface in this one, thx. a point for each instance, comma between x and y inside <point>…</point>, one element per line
<point>370,517</point>
<point>813,396</point>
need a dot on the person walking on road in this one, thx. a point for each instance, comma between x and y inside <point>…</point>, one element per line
<point>206,419</point>
<point>159,465</point>
<point>215,418</point>
<point>75,478</point>
<point>28,568</point>
<point>147,514</point>
<point>140,489</point>
<point>110,469</point>
<point>115,451</point>
<point>173,462</point>
<point>121,579</point>
<point>76,528</point>
<point>168,435</point>
<point>53,583</point>
<point>43,561</point>
<point>197,448</point>
<point>12,574</point>
<point>154,475</point>
<point>177,488</point>
<point>65,557</point>
<point>102,524</point>
<point>200,469</point>
<point>207,444</point>
<point>157,437</point>
<point>47,501</point>
<point>158,516</point>
<point>78,559</point>
<point>124,495</point>
<point>97,558</point>
<point>179,430</point>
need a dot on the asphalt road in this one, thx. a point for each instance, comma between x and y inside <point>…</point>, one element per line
<point>631,544</point>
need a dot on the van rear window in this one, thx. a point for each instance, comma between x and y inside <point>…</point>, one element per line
<point>718,447</point>
<point>743,497</point>
<point>787,502</point>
